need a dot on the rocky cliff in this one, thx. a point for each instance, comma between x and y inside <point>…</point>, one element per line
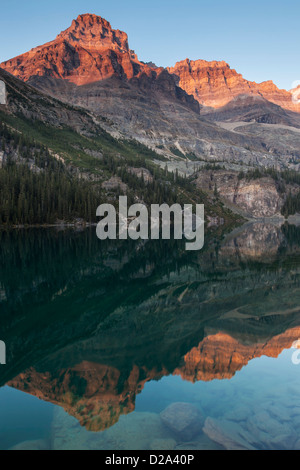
<point>214,84</point>
<point>254,197</point>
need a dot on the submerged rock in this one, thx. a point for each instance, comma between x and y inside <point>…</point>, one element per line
<point>228,434</point>
<point>202,442</point>
<point>163,444</point>
<point>40,444</point>
<point>184,419</point>
<point>297,445</point>
<point>137,431</point>
<point>273,434</point>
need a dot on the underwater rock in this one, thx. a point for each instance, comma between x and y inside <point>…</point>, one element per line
<point>40,444</point>
<point>238,414</point>
<point>136,431</point>
<point>284,442</point>
<point>163,444</point>
<point>279,412</point>
<point>201,443</point>
<point>264,423</point>
<point>297,445</point>
<point>228,434</point>
<point>184,419</point>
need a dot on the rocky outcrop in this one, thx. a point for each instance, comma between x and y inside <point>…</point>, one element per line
<point>141,173</point>
<point>214,84</point>
<point>24,100</point>
<point>90,51</point>
<point>255,197</point>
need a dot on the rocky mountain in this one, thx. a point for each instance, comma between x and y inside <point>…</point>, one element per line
<point>90,65</point>
<point>214,84</point>
<point>89,81</point>
<point>89,50</point>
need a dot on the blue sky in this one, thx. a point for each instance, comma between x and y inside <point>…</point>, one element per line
<point>260,39</point>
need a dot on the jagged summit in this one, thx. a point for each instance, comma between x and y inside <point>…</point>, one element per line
<point>94,32</point>
<point>86,52</point>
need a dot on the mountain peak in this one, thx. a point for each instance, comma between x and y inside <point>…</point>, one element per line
<point>86,52</point>
<point>94,33</point>
<point>89,20</point>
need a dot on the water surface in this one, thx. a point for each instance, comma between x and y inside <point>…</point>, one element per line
<point>118,345</point>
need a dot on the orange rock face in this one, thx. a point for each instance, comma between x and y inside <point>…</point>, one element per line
<point>89,51</point>
<point>214,84</point>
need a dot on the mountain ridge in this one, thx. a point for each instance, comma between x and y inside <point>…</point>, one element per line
<point>91,50</point>
<point>90,66</point>
<point>214,84</point>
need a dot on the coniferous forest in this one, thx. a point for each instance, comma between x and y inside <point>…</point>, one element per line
<point>36,188</point>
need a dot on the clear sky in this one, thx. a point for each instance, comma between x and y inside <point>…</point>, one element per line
<point>259,38</point>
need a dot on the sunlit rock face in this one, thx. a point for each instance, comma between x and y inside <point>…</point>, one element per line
<point>214,84</point>
<point>90,65</point>
<point>89,50</point>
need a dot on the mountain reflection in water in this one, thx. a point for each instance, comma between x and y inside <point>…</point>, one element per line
<point>87,324</point>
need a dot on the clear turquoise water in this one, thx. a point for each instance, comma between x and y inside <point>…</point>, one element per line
<point>102,339</point>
